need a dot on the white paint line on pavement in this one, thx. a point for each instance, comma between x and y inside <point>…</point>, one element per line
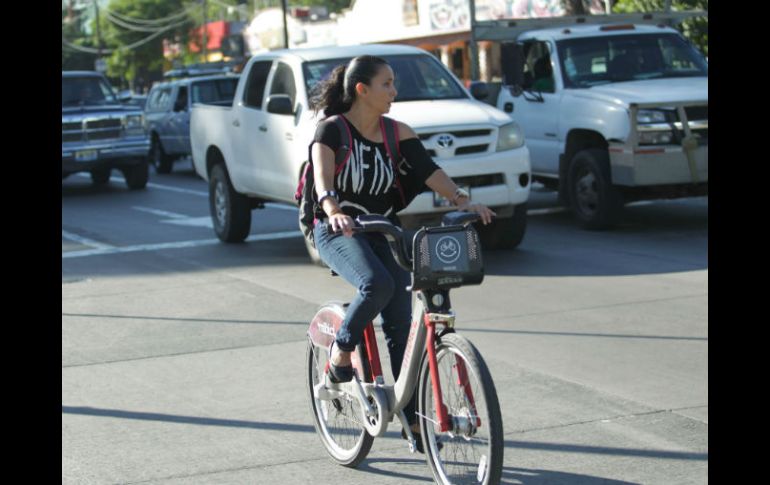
<point>177,189</point>
<point>161,213</point>
<point>174,245</point>
<point>85,241</point>
<point>204,221</point>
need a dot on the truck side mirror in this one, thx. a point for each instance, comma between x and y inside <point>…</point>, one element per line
<point>513,66</point>
<point>479,90</point>
<point>280,104</point>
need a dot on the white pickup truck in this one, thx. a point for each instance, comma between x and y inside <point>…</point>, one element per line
<point>614,108</point>
<point>256,150</point>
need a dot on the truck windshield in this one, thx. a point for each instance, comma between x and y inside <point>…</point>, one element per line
<point>86,91</point>
<point>418,77</point>
<point>600,60</point>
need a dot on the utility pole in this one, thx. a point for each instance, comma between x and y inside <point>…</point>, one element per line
<point>285,26</point>
<point>99,64</point>
<point>98,32</point>
<point>474,47</point>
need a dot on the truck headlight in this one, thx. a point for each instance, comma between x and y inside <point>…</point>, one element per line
<point>134,125</point>
<point>646,116</point>
<point>654,127</point>
<point>662,137</point>
<point>509,137</point>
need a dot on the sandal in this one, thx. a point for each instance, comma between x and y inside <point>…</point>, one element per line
<point>341,373</point>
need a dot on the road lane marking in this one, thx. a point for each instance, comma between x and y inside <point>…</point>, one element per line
<point>204,221</point>
<point>177,189</point>
<point>85,241</point>
<point>175,245</point>
<point>157,212</point>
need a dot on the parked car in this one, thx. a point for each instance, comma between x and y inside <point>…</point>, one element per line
<point>168,114</point>
<point>99,133</point>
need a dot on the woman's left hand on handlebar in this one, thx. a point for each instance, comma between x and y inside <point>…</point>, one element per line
<point>485,212</point>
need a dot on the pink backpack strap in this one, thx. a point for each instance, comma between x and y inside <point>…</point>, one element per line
<point>389,129</point>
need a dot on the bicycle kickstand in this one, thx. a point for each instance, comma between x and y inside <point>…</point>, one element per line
<point>408,430</point>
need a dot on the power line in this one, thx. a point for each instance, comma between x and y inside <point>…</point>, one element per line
<point>124,47</point>
<point>120,23</point>
<point>152,22</point>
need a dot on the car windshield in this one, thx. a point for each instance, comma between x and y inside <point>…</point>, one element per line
<point>600,60</point>
<point>418,77</point>
<point>86,91</point>
<point>215,91</point>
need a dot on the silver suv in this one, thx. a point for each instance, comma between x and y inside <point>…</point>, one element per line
<point>168,114</point>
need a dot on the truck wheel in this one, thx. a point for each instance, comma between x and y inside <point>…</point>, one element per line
<point>506,233</point>
<point>163,163</point>
<point>100,176</point>
<point>136,175</point>
<point>230,211</point>
<point>595,201</point>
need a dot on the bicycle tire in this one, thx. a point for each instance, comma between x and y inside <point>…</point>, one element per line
<point>476,454</point>
<point>346,445</point>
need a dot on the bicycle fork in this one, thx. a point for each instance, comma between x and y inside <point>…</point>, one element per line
<point>446,422</point>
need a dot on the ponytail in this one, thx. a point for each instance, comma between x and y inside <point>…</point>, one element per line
<point>330,96</point>
<point>336,94</point>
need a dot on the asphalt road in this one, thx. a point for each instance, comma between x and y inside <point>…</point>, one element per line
<point>182,358</point>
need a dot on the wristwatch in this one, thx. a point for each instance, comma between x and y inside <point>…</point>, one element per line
<point>460,193</point>
<point>328,193</point>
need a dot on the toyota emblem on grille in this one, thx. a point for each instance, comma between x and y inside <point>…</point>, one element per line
<point>446,140</point>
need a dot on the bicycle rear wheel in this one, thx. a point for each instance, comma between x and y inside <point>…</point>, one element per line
<point>338,422</point>
<point>472,451</point>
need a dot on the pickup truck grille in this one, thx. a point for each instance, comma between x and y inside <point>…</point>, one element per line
<point>698,119</point>
<point>463,142</point>
<point>105,129</point>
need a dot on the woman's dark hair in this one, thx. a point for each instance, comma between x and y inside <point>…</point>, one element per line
<point>336,94</point>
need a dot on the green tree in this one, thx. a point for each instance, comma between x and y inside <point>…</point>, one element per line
<point>695,29</point>
<point>133,33</point>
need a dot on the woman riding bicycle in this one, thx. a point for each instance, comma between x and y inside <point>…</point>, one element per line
<point>362,92</point>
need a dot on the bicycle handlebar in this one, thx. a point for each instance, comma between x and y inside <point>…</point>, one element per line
<point>395,235</point>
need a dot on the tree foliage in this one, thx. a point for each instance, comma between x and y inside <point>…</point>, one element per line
<point>695,29</point>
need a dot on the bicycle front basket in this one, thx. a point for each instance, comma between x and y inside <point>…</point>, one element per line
<point>446,257</point>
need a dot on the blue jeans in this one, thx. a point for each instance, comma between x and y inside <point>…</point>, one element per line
<point>366,262</point>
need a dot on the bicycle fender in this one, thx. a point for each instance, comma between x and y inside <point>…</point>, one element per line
<point>323,329</point>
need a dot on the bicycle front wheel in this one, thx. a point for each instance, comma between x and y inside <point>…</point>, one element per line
<point>338,421</point>
<point>471,452</point>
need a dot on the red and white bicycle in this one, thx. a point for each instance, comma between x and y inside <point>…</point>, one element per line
<point>457,406</point>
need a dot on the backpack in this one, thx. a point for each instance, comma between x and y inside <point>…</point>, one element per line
<point>306,197</point>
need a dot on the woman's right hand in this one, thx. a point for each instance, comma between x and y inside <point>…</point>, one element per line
<point>341,222</point>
